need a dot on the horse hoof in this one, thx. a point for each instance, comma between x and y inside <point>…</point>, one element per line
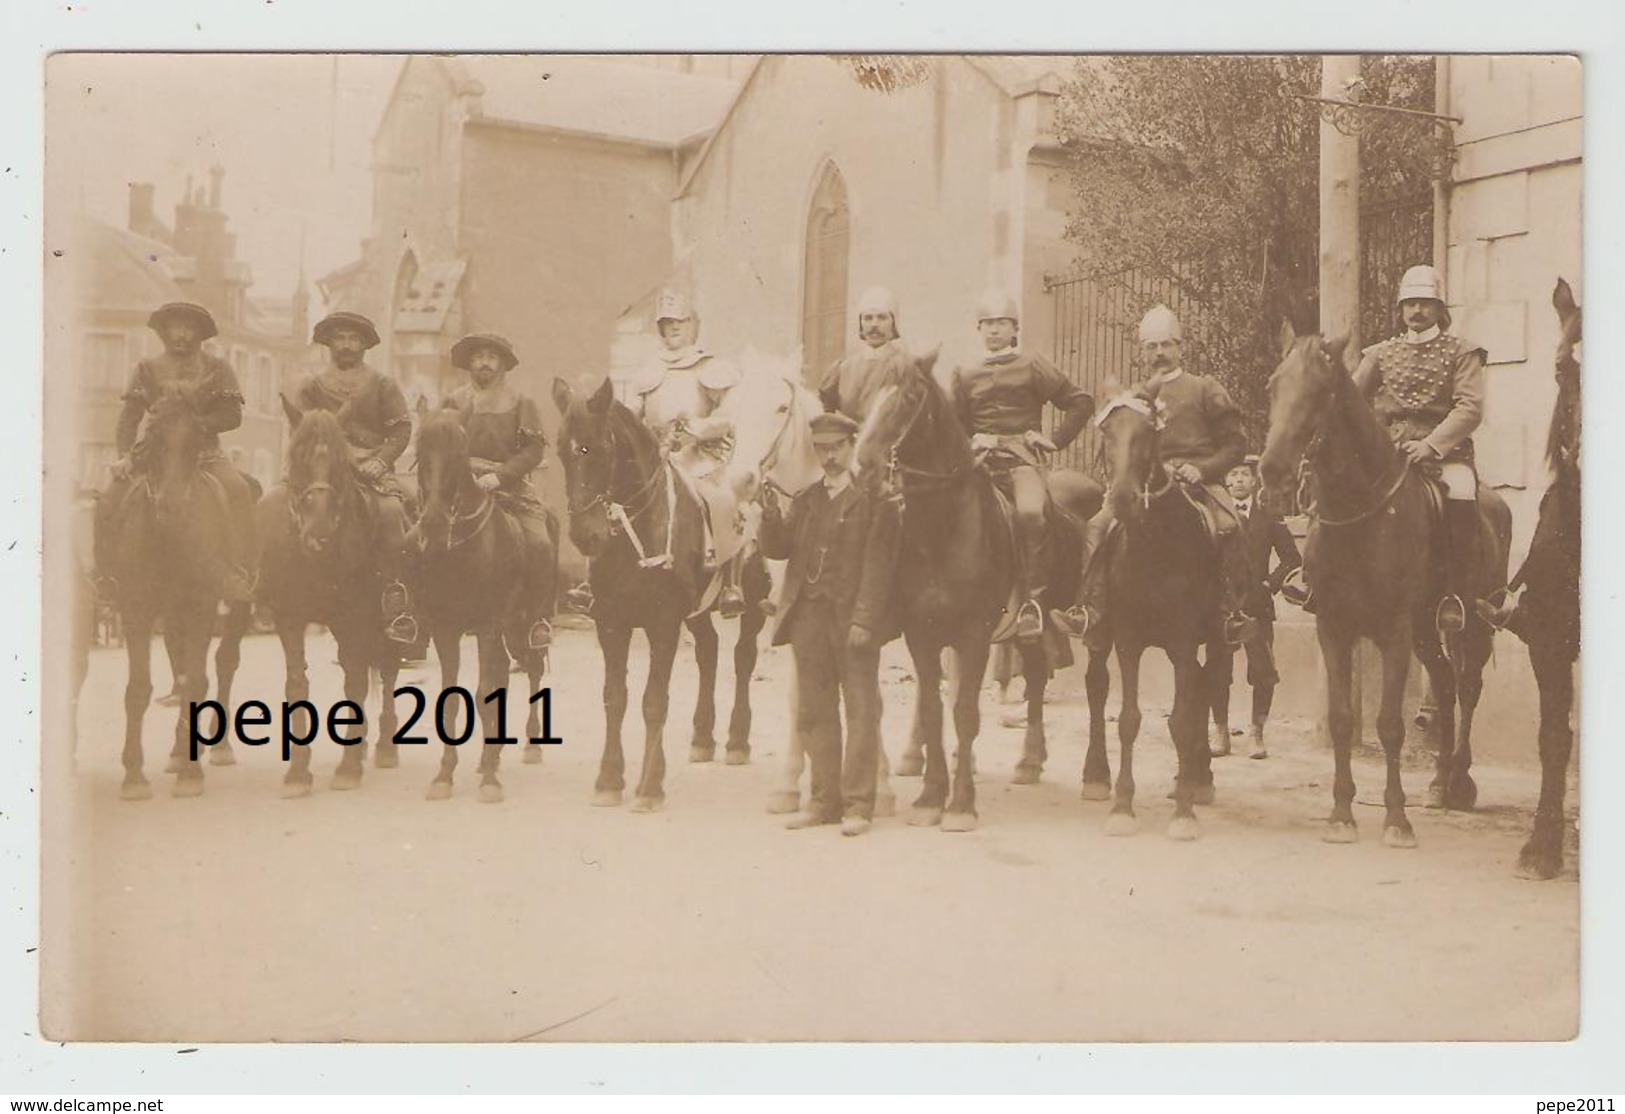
<point>924,817</point>
<point>1121,824</point>
<point>293,790</point>
<point>1026,775</point>
<point>1013,719</point>
<point>648,804</point>
<point>388,756</point>
<point>1402,838</point>
<point>910,766</point>
<point>1341,831</point>
<point>782,802</point>
<point>607,798</point>
<point>701,754</point>
<point>533,755</point>
<point>884,807</point>
<point>222,755</point>
<point>490,793</point>
<point>346,779</point>
<point>1538,863</point>
<point>135,791</point>
<point>959,822</point>
<point>175,764</point>
<point>737,758</point>
<point>1097,791</point>
<point>1183,829</point>
<point>438,791</point>
<point>1435,796</point>
<point>1462,796</point>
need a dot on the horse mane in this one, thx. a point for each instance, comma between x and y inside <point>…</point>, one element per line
<point>318,429</point>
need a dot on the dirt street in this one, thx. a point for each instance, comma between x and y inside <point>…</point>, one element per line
<point>376,915</point>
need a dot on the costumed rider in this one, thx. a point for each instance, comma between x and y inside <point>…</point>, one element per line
<point>182,375</point>
<point>1000,401</point>
<point>373,415</point>
<point>505,445</point>
<point>1427,387</point>
<point>680,397</point>
<point>850,384</point>
<point>1200,441</point>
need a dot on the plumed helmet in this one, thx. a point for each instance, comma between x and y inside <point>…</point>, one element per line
<point>997,303</point>
<point>673,305</point>
<point>1420,281</point>
<point>1160,323</point>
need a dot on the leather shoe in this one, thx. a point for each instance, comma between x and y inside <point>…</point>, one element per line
<point>806,820</point>
<point>855,825</point>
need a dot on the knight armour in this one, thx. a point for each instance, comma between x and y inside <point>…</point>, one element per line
<point>1417,388</point>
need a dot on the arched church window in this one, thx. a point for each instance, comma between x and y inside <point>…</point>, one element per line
<point>824,325</point>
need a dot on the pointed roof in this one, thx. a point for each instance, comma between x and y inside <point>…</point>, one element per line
<point>123,270</point>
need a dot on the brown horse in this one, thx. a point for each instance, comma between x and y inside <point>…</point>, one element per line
<point>1547,615</point>
<point>1164,592</point>
<point>640,528</point>
<point>1371,562</point>
<point>477,574</point>
<point>170,535</point>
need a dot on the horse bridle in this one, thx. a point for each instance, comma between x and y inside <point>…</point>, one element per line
<point>1147,409</point>
<point>622,515</point>
<point>1312,449</point>
<point>896,469</point>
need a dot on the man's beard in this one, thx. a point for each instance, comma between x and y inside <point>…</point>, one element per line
<point>345,361</point>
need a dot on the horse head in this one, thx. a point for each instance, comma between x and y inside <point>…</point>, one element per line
<point>772,415</point>
<point>910,432</point>
<point>1301,392</point>
<point>174,444</point>
<point>610,460</point>
<point>1128,423</point>
<point>321,485</point>
<point>443,475</point>
<point>1563,437</point>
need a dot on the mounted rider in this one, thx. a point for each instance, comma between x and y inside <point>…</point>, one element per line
<point>1427,387</point>
<point>207,385</point>
<point>850,383</point>
<point>372,412</point>
<point>1200,442</point>
<point>679,396</point>
<point>1000,400</point>
<point>505,445</point>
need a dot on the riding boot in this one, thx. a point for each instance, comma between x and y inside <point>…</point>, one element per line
<point>1239,627</point>
<point>105,522</point>
<point>242,578</point>
<point>1088,617</point>
<point>1030,618</point>
<point>1461,526</point>
<point>730,600</point>
<point>400,626</point>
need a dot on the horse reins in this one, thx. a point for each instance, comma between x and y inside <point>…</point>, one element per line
<point>1306,472</point>
<point>622,518</point>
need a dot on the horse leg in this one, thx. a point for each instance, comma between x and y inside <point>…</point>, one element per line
<point>1120,821</point>
<point>356,663</point>
<point>493,676</point>
<point>137,692</point>
<point>1187,724</point>
<point>1337,652</point>
<point>448,647</point>
<point>933,796</point>
<point>196,632</point>
<point>746,650</point>
<point>787,797</point>
<point>535,667</point>
<point>1542,857</point>
<point>1396,666</point>
<point>1034,746</point>
<point>1097,767</point>
<point>970,668</point>
<point>228,657</point>
<point>885,795</point>
<point>614,642</point>
<point>1442,723</point>
<point>1462,792</point>
<point>651,794</point>
<point>703,746</point>
<point>386,756</point>
<point>1217,674</point>
<point>291,633</point>
<point>921,731</point>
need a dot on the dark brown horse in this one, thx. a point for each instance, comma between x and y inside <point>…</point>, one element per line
<point>171,530</point>
<point>1371,562</point>
<point>640,528</point>
<point>316,566</point>
<point>957,566</point>
<point>1547,615</point>
<point>1163,589</point>
<point>477,574</point>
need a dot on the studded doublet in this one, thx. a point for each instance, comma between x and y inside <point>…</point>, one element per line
<point>1417,387</point>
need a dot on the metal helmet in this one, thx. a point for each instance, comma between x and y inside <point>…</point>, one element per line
<point>997,303</point>
<point>673,305</point>
<point>1160,323</point>
<point>878,299</point>
<point>1420,281</point>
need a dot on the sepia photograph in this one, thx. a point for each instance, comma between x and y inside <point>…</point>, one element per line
<point>811,547</point>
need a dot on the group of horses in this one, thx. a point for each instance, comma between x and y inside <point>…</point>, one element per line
<point>1372,553</point>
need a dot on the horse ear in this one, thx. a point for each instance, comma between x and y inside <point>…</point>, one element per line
<point>1563,298</point>
<point>293,412</point>
<point>561,395</point>
<point>929,360</point>
<point>602,397</point>
<point>1287,337</point>
<point>1336,347</point>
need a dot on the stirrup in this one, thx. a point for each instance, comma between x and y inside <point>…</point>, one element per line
<point>1498,610</point>
<point>731,602</point>
<point>540,635</point>
<point>394,599</point>
<point>1025,630</point>
<point>579,598</point>
<point>1239,628</point>
<point>1074,622</point>
<point>402,630</point>
<point>1294,590</point>
<point>1451,615</point>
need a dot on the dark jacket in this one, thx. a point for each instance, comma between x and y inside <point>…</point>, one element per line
<point>860,532</point>
<point>1265,532</point>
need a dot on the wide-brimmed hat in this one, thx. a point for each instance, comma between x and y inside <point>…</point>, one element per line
<point>463,351</point>
<point>323,332</point>
<point>199,316</point>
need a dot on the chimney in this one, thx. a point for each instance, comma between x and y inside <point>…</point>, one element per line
<point>216,173</point>
<point>141,214</point>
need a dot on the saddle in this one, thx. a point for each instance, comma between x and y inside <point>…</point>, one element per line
<point>1217,522</point>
